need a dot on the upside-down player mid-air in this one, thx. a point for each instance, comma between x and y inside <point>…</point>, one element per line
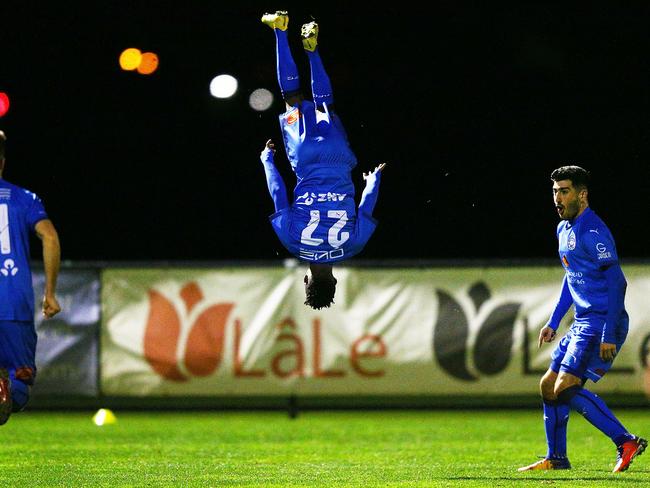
<point>594,283</point>
<point>322,226</point>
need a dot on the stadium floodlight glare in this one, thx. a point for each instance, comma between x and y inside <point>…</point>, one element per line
<point>4,103</point>
<point>261,99</point>
<point>223,86</point>
<point>130,59</point>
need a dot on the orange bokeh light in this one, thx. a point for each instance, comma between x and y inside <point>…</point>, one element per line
<point>148,63</point>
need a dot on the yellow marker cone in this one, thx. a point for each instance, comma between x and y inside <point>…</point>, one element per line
<point>104,416</point>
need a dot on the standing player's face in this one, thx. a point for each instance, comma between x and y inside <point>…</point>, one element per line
<point>567,199</point>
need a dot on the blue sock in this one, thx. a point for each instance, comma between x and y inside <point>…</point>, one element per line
<point>321,88</point>
<point>556,419</point>
<point>19,392</point>
<point>600,416</point>
<point>286,67</point>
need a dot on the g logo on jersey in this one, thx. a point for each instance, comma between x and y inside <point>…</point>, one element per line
<point>603,253</point>
<point>571,241</point>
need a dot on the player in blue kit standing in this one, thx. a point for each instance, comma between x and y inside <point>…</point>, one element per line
<point>21,212</point>
<point>322,226</point>
<point>594,283</point>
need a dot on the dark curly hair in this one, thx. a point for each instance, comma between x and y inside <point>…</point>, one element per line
<point>320,291</point>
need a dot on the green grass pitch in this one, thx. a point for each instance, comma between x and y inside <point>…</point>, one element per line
<point>336,448</point>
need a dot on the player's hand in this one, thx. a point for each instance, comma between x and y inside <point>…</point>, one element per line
<point>378,169</point>
<point>607,351</point>
<point>547,334</point>
<point>268,153</point>
<point>50,306</point>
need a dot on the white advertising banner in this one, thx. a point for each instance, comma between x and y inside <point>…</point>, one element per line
<point>437,331</point>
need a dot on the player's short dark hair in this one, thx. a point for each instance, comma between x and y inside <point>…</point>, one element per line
<point>578,176</point>
<point>3,140</point>
<point>320,292</point>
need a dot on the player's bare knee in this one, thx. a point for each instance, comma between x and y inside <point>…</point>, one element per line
<point>547,385</point>
<point>566,386</point>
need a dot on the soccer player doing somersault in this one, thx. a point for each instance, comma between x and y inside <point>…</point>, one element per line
<point>322,225</point>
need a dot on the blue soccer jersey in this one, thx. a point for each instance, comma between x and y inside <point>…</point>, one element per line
<point>20,211</point>
<point>324,234</point>
<point>586,248</point>
<point>322,223</point>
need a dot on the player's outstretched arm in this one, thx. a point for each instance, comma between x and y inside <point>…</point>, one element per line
<point>51,261</point>
<point>371,191</point>
<point>274,181</point>
<point>562,306</point>
<point>547,333</point>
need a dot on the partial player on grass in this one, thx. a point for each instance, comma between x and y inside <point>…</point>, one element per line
<point>21,213</point>
<point>594,283</point>
<point>322,225</point>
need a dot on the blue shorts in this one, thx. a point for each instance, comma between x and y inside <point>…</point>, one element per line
<point>18,349</point>
<point>313,138</point>
<point>578,353</point>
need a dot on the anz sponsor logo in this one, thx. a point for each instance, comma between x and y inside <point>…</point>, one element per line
<point>603,253</point>
<point>321,255</point>
<point>308,198</point>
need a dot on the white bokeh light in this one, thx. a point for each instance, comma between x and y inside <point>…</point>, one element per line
<point>223,86</point>
<point>261,99</point>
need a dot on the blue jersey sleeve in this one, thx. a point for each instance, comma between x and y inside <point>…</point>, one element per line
<point>616,285</point>
<point>274,181</point>
<point>561,307</point>
<point>281,222</point>
<point>370,194</point>
<point>599,245</point>
<point>36,211</point>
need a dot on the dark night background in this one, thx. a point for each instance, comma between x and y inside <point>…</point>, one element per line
<point>471,107</point>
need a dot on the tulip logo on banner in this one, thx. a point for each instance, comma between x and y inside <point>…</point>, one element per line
<point>204,345</point>
<point>494,340</point>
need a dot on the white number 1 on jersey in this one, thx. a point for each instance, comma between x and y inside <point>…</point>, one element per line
<point>333,237</point>
<point>5,242</point>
